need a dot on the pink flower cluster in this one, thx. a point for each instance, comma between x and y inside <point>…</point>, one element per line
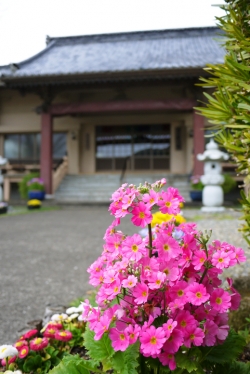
<point>166,285</point>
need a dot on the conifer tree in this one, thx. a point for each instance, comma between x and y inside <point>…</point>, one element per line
<point>228,107</point>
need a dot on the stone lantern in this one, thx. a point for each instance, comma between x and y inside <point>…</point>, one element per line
<point>212,194</point>
<point>3,161</point>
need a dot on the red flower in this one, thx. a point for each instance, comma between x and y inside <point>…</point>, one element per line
<point>11,359</point>
<point>23,352</point>
<point>20,343</point>
<point>54,325</point>
<point>38,343</point>
<point>50,332</point>
<point>29,334</point>
<point>65,335</point>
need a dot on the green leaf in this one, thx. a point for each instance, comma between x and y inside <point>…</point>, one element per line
<point>73,364</point>
<point>126,362</point>
<point>226,352</point>
<point>185,361</point>
<point>100,350</point>
<point>32,363</point>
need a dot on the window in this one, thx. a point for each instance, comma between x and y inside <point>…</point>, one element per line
<point>141,147</point>
<point>25,148</point>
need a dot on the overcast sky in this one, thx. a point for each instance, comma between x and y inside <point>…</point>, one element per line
<point>24,24</point>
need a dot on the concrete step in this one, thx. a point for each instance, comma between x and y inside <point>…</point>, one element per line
<point>98,188</point>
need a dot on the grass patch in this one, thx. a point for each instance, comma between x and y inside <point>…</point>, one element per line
<point>214,216</point>
<point>18,210</point>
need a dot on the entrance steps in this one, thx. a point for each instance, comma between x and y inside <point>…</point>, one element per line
<point>98,188</point>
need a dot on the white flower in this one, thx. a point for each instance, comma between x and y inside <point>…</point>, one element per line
<point>59,317</point>
<point>73,316</point>
<point>12,372</point>
<point>7,351</point>
<point>72,310</point>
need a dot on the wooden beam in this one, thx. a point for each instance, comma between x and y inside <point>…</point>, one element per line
<point>199,143</point>
<point>46,151</point>
<point>122,106</point>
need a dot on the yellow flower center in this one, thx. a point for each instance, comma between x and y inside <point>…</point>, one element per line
<point>153,340</point>
<point>218,300</point>
<point>134,248</point>
<point>142,215</point>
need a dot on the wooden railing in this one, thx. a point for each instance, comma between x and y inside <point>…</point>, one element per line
<point>60,173</point>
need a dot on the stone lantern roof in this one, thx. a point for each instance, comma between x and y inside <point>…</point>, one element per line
<point>212,153</point>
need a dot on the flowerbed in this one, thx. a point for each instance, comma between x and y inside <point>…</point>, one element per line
<point>161,306</point>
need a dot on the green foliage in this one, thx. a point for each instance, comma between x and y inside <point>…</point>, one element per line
<point>228,108</point>
<point>23,187</point>
<point>229,183</point>
<point>74,365</point>
<point>103,355</point>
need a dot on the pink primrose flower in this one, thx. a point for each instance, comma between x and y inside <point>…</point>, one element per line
<point>220,300</point>
<point>102,326</point>
<point>113,289</point>
<point>141,215</point>
<point>23,352</point>
<point>129,282</point>
<point>197,294</point>
<point>221,259</point>
<point>133,248</point>
<point>178,291</point>
<point>239,255</point>
<point>222,333</point>
<point>174,341</point>
<point>64,335</point>
<point>133,332</point>
<point>167,247</point>
<point>169,201</point>
<point>171,270</point>
<point>157,280</point>
<point>169,327</point>
<point>193,335</point>
<point>119,339</point>
<point>167,358</point>
<point>185,320</point>
<point>140,293</point>
<point>198,259</point>
<point>152,340</point>
<point>211,330</point>
<point>38,344</point>
<point>127,201</point>
<point>150,198</point>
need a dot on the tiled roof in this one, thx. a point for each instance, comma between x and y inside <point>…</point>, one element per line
<point>122,52</point>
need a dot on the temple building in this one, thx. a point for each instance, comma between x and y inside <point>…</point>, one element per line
<point>107,107</point>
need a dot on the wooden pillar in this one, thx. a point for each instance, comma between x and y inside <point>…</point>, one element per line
<point>46,151</point>
<point>199,143</point>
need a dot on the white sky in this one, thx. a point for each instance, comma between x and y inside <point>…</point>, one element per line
<point>24,24</point>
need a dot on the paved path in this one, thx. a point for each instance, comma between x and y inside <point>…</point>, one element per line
<point>44,257</point>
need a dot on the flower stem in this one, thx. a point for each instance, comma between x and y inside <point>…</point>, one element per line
<point>6,362</point>
<point>150,239</point>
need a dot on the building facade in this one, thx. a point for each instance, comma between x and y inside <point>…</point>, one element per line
<point>110,102</point>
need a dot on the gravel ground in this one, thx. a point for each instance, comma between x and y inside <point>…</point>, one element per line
<point>44,257</point>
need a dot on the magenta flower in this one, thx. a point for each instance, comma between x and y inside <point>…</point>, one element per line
<point>50,332</point>
<point>141,215</point>
<point>167,247</point>
<point>29,334</point>
<point>133,333</point>
<point>23,352</point>
<point>197,294</point>
<point>174,341</point>
<point>198,259</point>
<point>64,335</point>
<point>102,326</point>
<point>38,343</point>
<point>152,340</point>
<point>129,282</point>
<point>150,198</point>
<point>211,330</point>
<point>193,335</point>
<point>20,343</point>
<point>221,259</point>
<point>119,339</point>
<point>133,248</point>
<point>220,300</point>
<point>167,358</point>
<point>140,292</point>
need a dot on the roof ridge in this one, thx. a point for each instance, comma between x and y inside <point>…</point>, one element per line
<point>131,34</point>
